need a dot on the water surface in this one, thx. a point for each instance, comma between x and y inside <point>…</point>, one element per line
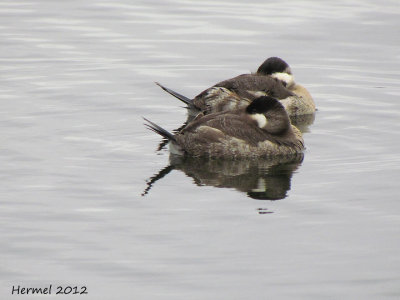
<point>76,77</point>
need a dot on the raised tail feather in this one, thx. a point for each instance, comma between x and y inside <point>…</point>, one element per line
<point>184,99</point>
<point>161,131</point>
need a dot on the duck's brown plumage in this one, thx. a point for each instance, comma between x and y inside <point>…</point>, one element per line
<point>216,138</point>
<point>239,91</point>
<point>246,83</point>
<point>238,134</point>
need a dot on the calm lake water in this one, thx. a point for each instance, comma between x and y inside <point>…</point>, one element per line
<point>76,77</point>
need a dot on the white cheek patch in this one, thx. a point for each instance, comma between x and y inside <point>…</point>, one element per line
<point>261,120</point>
<point>285,77</point>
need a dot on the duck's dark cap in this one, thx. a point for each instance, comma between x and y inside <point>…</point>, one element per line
<point>262,104</point>
<point>272,65</point>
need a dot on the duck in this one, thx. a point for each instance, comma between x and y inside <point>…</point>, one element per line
<point>273,78</point>
<point>261,129</point>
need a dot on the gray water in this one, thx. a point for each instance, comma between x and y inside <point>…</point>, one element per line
<point>76,77</point>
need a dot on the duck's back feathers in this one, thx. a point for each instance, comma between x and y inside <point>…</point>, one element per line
<point>237,133</point>
<point>238,92</point>
<point>231,124</point>
<point>217,99</point>
<point>250,83</point>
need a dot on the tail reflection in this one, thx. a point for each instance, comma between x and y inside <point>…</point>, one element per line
<point>261,179</point>
<point>163,172</point>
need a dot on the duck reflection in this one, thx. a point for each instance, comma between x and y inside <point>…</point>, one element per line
<point>261,178</point>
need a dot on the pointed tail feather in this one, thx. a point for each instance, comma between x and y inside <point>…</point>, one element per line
<point>161,131</point>
<point>184,99</point>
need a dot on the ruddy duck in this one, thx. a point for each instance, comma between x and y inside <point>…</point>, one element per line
<point>273,78</point>
<point>302,103</point>
<point>261,129</point>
